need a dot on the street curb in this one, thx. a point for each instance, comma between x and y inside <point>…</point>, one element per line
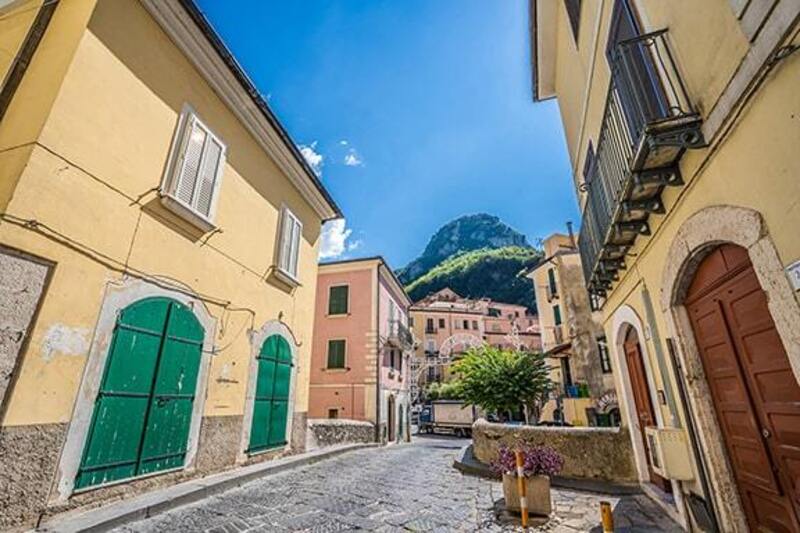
<point>159,501</point>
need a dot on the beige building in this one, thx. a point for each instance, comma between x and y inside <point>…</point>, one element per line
<point>681,122</point>
<point>446,325</point>
<point>573,339</point>
<point>159,237</point>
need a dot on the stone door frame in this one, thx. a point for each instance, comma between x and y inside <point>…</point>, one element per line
<point>257,338</point>
<point>696,238</point>
<point>118,296</point>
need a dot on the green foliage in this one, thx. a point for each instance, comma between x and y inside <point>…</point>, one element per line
<point>442,391</point>
<point>493,273</point>
<point>499,381</point>
<point>465,233</point>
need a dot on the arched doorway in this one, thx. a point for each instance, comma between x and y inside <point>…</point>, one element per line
<point>755,394</point>
<point>272,391</point>
<point>645,412</point>
<point>143,411</point>
<point>390,418</point>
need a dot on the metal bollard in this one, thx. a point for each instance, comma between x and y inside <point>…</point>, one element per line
<point>523,497</point>
<point>606,517</point>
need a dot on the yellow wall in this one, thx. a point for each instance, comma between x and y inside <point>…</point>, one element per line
<point>92,177</point>
<point>754,164</point>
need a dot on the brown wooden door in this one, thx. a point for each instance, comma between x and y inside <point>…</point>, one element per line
<point>641,397</point>
<point>755,393</point>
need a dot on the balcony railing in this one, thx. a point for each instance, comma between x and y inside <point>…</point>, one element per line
<point>400,335</point>
<point>648,123</point>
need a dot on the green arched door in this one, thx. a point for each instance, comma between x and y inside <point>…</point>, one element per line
<point>271,406</point>
<point>143,409</point>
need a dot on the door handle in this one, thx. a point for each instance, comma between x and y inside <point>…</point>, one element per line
<point>765,432</point>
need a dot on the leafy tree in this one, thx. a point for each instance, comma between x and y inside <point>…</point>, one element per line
<point>500,381</point>
<point>442,391</point>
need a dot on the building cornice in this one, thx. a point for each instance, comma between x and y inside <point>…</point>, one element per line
<point>192,34</point>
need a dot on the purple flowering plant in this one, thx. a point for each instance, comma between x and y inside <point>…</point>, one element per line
<point>537,461</point>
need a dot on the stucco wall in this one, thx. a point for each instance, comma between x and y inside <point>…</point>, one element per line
<point>96,114</point>
<point>589,453</point>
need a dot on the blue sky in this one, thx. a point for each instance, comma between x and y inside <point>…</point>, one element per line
<point>415,111</point>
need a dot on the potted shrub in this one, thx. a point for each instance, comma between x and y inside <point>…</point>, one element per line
<point>539,463</point>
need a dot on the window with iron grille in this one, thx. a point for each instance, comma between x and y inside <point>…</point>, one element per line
<point>336,353</point>
<point>605,358</point>
<point>338,300</point>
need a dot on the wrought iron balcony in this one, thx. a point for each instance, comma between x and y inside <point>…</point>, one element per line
<point>647,125</point>
<point>400,335</point>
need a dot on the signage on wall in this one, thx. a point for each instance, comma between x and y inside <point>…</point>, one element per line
<point>793,271</point>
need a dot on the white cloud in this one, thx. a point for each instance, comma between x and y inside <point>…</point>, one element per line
<point>343,142</point>
<point>314,159</point>
<point>354,245</point>
<point>353,159</point>
<point>334,239</point>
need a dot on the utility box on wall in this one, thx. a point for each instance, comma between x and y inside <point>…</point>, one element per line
<point>669,453</point>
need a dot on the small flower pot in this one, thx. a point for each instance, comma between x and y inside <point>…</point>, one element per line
<point>537,489</point>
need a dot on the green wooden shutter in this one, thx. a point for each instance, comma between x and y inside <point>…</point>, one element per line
<point>270,411</point>
<point>155,349</point>
<point>338,300</point>
<point>336,349</point>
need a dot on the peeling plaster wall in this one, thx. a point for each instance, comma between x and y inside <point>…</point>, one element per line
<point>21,284</point>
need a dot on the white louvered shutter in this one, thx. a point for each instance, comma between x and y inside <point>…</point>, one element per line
<point>286,242</point>
<point>209,170</point>
<point>295,247</point>
<point>190,166</point>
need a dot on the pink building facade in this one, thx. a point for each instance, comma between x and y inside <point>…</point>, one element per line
<point>361,347</point>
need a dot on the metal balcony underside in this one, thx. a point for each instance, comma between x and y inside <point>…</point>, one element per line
<point>647,125</point>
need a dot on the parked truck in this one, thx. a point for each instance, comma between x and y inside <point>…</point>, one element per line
<point>452,416</point>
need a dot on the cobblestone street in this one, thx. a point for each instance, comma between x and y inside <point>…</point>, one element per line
<point>410,487</point>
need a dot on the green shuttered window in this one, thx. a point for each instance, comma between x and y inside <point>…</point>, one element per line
<point>336,351</point>
<point>143,409</point>
<point>270,412</point>
<point>338,300</point>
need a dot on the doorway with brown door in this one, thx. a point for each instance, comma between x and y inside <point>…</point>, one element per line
<point>645,413</point>
<point>755,394</point>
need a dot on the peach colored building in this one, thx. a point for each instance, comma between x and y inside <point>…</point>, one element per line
<point>446,322</point>
<point>361,347</point>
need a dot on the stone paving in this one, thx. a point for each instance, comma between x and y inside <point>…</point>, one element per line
<point>408,487</point>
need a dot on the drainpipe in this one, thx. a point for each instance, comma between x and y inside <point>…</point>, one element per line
<point>23,58</point>
<point>662,364</point>
<point>378,354</point>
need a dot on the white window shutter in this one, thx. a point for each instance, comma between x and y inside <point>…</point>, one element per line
<point>209,171</point>
<point>190,166</point>
<point>295,247</point>
<point>286,242</point>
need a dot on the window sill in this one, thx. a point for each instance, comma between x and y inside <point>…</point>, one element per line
<point>336,370</point>
<point>186,212</point>
<point>338,315</point>
<point>286,277</point>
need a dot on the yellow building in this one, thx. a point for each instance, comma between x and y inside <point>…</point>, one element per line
<point>572,339</point>
<point>682,122</point>
<point>158,257</point>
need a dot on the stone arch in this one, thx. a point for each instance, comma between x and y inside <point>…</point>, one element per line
<point>118,296</point>
<point>697,237</point>
<point>624,319</point>
<point>257,338</point>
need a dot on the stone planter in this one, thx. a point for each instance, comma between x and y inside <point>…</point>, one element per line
<point>537,490</point>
